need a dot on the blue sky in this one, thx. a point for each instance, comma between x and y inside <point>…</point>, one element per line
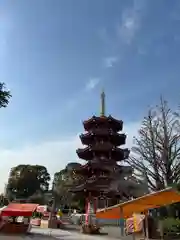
<point>56,56</point>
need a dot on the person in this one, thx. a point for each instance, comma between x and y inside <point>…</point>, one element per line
<point>59,213</point>
<point>26,220</point>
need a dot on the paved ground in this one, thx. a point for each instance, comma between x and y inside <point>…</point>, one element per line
<point>109,233</point>
<point>32,237</point>
<point>68,235</point>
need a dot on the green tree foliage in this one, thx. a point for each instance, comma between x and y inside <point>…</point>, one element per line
<point>156,153</point>
<point>38,197</point>
<point>25,180</point>
<point>3,201</point>
<point>171,225</point>
<point>60,187</point>
<point>63,182</point>
<point>4,96</point>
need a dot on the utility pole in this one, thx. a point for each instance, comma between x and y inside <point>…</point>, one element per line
<point>53,206</point>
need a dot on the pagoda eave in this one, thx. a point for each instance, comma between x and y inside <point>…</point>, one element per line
<point>115,124</point>
<point>98,184</point>
<point>115,138</point>
<point>117,154</point>
<point>98,167</point>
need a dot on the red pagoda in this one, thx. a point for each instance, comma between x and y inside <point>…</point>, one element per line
<point>103,177</point>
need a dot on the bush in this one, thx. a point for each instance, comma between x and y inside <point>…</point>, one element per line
<point>37,215</point>
<point>171,225</point>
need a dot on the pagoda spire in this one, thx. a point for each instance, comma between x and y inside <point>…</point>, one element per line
<point>103,103</point>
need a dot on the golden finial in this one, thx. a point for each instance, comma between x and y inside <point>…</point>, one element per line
<point>103,103</point>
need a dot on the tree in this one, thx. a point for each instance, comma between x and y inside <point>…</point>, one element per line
<point>60,189</point>
<point>63,181</point>
<point>38,197</point>
<point>156,152</point>
<point>25,180</point>
<point>3,201</point>
<point>4,96</point>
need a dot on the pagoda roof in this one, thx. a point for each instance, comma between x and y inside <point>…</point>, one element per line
<point>107,186</point>
<point>114,137</point>
<point>113,123</point>
<point>93,184</point>
<point>118,154</point>
<point>104,166</point>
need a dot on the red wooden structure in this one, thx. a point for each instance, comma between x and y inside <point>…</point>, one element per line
<point>12,211</point>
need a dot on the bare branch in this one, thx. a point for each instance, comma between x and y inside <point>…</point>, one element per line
<point>156,153</point>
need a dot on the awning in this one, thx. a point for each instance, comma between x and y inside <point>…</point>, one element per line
<point>18,209</point>
<point>2,208</point>
<point>141,204</point>
<point>42,208</point>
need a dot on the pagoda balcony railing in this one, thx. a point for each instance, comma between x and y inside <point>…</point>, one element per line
<point>101,160</point>
<point>96,177</point>
<point>102,144</point>
<point>103,137</point>
<point>103,131</point>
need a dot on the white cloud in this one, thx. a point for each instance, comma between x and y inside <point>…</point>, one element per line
<point>110,61</point>
<point>126,30</point>
<point>131,21</point>
<point>129,25</point>
<point>131,129</point>
<point>53,154</point>
<point>92,83</point>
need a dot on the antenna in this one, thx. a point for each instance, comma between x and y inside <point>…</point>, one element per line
<point>103,103</point>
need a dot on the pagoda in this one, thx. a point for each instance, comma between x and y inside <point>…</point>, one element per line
<point>102,177</point>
